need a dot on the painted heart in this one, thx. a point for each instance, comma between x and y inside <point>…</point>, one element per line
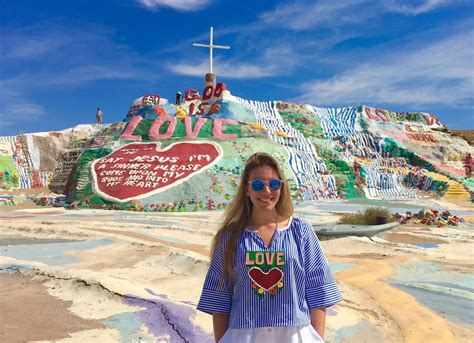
<point>138,170</point>
<point>266,280</point>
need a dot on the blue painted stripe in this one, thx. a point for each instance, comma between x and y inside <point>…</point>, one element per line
<point>304,161</point>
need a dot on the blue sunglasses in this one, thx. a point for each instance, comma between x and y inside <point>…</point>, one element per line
<point>274,184</point>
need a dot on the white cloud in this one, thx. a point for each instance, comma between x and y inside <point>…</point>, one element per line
<point>51,64</point>
<point>437,73</point>
<point>34,58</point>
<point>16,109</point>
<point>72,77</point>
<point>179,5</point>
<point>305,15</point>
<point>329,14</point>
<point>83,74</point>
<point>229,70</point>
<point>47,40</point>
<point>411,8</point>
<point>24,110</point>
<point>32,47</point>
<point>276,60</point>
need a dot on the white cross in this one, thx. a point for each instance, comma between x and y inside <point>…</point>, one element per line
<point>211,46</point>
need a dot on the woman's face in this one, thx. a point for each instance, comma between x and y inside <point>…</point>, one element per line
<point>266,199</point>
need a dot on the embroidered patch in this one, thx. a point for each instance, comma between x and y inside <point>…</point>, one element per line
<point>265,269</point>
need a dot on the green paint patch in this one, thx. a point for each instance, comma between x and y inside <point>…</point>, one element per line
<point>213,189</point>
<point>342,172</point>
<point>8,174</point>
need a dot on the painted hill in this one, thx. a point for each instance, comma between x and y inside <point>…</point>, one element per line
<point>188,157</point>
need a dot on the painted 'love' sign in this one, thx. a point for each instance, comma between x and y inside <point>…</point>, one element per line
<point>265,258</point>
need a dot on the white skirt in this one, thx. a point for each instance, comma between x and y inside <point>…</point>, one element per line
<point>286,334</point>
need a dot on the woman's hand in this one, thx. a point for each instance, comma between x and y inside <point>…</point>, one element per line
<point>220,322</point>
<point>318,320</point>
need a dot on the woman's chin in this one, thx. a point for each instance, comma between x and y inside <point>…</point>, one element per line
<point>265,206</point>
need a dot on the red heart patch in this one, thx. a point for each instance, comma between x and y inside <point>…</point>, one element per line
<point>266,280</point>
<point>138,170</point>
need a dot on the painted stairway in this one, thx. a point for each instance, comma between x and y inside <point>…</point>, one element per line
<point>455,191</point>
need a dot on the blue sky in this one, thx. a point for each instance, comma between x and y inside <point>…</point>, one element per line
<point>59,60</point>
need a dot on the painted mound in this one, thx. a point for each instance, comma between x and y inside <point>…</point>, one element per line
<point>189,156</point>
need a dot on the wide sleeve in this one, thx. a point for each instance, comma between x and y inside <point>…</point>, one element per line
<point>216,296</point>
<point>321,289</point>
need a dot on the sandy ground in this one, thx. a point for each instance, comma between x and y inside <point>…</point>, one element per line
<point>30,313</point>
<point>106,276</point>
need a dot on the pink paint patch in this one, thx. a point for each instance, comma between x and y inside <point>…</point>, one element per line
<point>219,127</point>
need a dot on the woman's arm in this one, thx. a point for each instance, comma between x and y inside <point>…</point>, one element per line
<point>318,320</point>
<point>221,323</point>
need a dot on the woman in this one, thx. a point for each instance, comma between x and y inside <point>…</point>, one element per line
<point>268,280</point>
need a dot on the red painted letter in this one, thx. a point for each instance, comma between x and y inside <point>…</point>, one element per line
<point>431,119</point>
<point>151,99</point>
<point>368,111</point>
<point>207,93</point>
<point>191,109</point>
<point>220,87</point>
<point>191,94</point>
<point>382,115</point>
<point>202,108</point>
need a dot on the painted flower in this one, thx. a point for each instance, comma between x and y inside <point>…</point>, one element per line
<point>280,284</point>
<point>214,108</point>
<point>160,111</point>
<point>272,291</point>
<point>254,285</point>
<point>281,134</point>
<point>260,291</point>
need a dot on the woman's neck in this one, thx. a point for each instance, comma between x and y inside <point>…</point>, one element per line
<point>261,218</point>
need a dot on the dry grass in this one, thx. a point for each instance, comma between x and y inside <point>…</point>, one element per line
<point>367,217</point>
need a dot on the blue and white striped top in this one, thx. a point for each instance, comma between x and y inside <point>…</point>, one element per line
<point>307,281</point>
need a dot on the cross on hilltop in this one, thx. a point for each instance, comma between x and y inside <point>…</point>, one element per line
<point>211,46</point>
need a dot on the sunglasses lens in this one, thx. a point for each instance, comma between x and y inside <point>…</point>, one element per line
<point>257,185</point>
<point>275,184</point>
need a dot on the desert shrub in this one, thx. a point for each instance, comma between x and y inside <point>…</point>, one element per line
<point>367,217</point>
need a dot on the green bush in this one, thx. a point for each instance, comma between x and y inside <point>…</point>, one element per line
<point>366,217</point>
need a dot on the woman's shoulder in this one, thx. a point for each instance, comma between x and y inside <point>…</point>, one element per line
<point>225,234</point>
<point>300,222</point>
<point>300,226</point>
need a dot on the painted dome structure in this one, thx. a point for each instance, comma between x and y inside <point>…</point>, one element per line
<point>188,156</point>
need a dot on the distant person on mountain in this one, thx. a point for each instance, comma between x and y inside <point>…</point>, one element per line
<point>99,115</point>
<point>178,97</point>
<point>268,280</point>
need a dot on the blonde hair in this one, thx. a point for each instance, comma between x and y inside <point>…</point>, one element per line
<point>238,214</point>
